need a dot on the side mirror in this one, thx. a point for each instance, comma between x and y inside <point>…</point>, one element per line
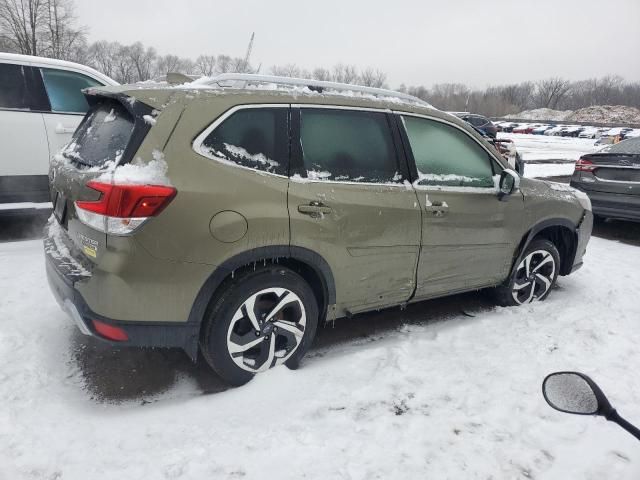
<point>509,183</point>
<point>572,392</point>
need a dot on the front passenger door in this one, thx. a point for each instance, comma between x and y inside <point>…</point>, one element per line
<point>468,233</point>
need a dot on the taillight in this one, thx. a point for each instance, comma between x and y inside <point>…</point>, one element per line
<point>110,332</point>
<point>584,165</point>
<point>123,208</point>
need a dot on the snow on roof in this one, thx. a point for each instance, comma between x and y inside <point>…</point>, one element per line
<point>300,86</point>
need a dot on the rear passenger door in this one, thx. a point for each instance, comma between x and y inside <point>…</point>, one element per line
<point>68,105</point>
<point>349,202</point>
<point>468,233</point>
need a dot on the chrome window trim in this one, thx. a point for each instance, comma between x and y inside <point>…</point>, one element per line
<point>341,107</point>
<point>197,144</point>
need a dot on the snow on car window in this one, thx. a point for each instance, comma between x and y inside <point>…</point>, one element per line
<point>256,138</point>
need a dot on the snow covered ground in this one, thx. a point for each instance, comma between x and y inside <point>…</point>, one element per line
<point>563,150</point>
<point>546,147</point>
<point>444,397</point>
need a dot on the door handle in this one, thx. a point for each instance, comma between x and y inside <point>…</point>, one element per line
<point>438,209</point>
<point>315,209</point>
<point>61,129</point>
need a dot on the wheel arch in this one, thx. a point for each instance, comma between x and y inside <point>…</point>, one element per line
<point>562,232</point>
<point>311,266</point>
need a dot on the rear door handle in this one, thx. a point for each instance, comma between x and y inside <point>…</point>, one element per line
<point>314,209</point>
<point>438,209</point>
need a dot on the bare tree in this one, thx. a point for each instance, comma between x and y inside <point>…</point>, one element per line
<point>345,73</point>
<point>239,65</point>
<point>21,21</point>
<point>143,60</point>
<point>173,63</point>
<point>321,74</point>
<point>551,91</point>
<point>205,65</point>
<point>103,56</point>
<point>288,70</point>
<point>124,69</point>
<point>223,64</point>
<point>60,37</point>
<point>373,78</point>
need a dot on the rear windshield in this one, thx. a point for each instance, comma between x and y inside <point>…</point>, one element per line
<point>103,135</point>
<point>630,146</point>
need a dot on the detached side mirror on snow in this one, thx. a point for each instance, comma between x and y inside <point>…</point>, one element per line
<point>576,393</point>
<point>509,183</point>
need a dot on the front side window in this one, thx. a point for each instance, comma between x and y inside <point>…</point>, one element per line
<point>13,91</point>
<point>446,156</point>
<point>346,145</point>
<point>64,90</point>
<point>256,138</point>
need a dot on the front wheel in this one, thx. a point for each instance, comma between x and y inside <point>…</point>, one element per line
<point>260,320</point>
<point>534,277</point>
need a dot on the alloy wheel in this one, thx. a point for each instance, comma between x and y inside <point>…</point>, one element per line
<point>266,329</point>
<point>534,277</point>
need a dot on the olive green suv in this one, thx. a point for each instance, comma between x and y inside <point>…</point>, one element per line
<point>232,215</point>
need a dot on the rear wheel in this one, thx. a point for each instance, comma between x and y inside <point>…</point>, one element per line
<point>261,319</point>
<point>534,277</point>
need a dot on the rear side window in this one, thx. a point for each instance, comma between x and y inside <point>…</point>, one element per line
<point>13,90</point>
<point>65,90</point>
<point>344,145</point>
<point>256,138</point>
<point>102,136</point>
<point>447,156</point>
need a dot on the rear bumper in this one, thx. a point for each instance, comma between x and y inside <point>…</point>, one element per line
<point>139,334</point>
<point>614,205</point>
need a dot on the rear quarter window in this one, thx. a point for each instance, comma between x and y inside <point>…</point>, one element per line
<point>256,138</point>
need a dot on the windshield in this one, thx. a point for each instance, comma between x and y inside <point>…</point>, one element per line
<point>103,135</point>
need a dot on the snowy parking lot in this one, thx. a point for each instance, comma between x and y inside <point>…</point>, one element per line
<point>549,156</point>
<point>447,388</point>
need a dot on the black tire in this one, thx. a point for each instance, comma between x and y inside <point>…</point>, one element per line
<point>519,288</point>
<point>215,344</point>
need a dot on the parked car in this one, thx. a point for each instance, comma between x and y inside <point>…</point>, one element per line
<point>508,127</point>
<point>611,178</point>
<point>41,104</point>
<point>479,122</point>
<point>589,132</point>
<point>555,131</point>
<point>524,128</point>
<point>571,131</point>
<point>240,217</point>
<point>539,130</point>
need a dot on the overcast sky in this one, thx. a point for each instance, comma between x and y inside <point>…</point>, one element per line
<point>418,42</point>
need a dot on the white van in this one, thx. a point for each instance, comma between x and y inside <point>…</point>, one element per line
<point>41,104</point>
